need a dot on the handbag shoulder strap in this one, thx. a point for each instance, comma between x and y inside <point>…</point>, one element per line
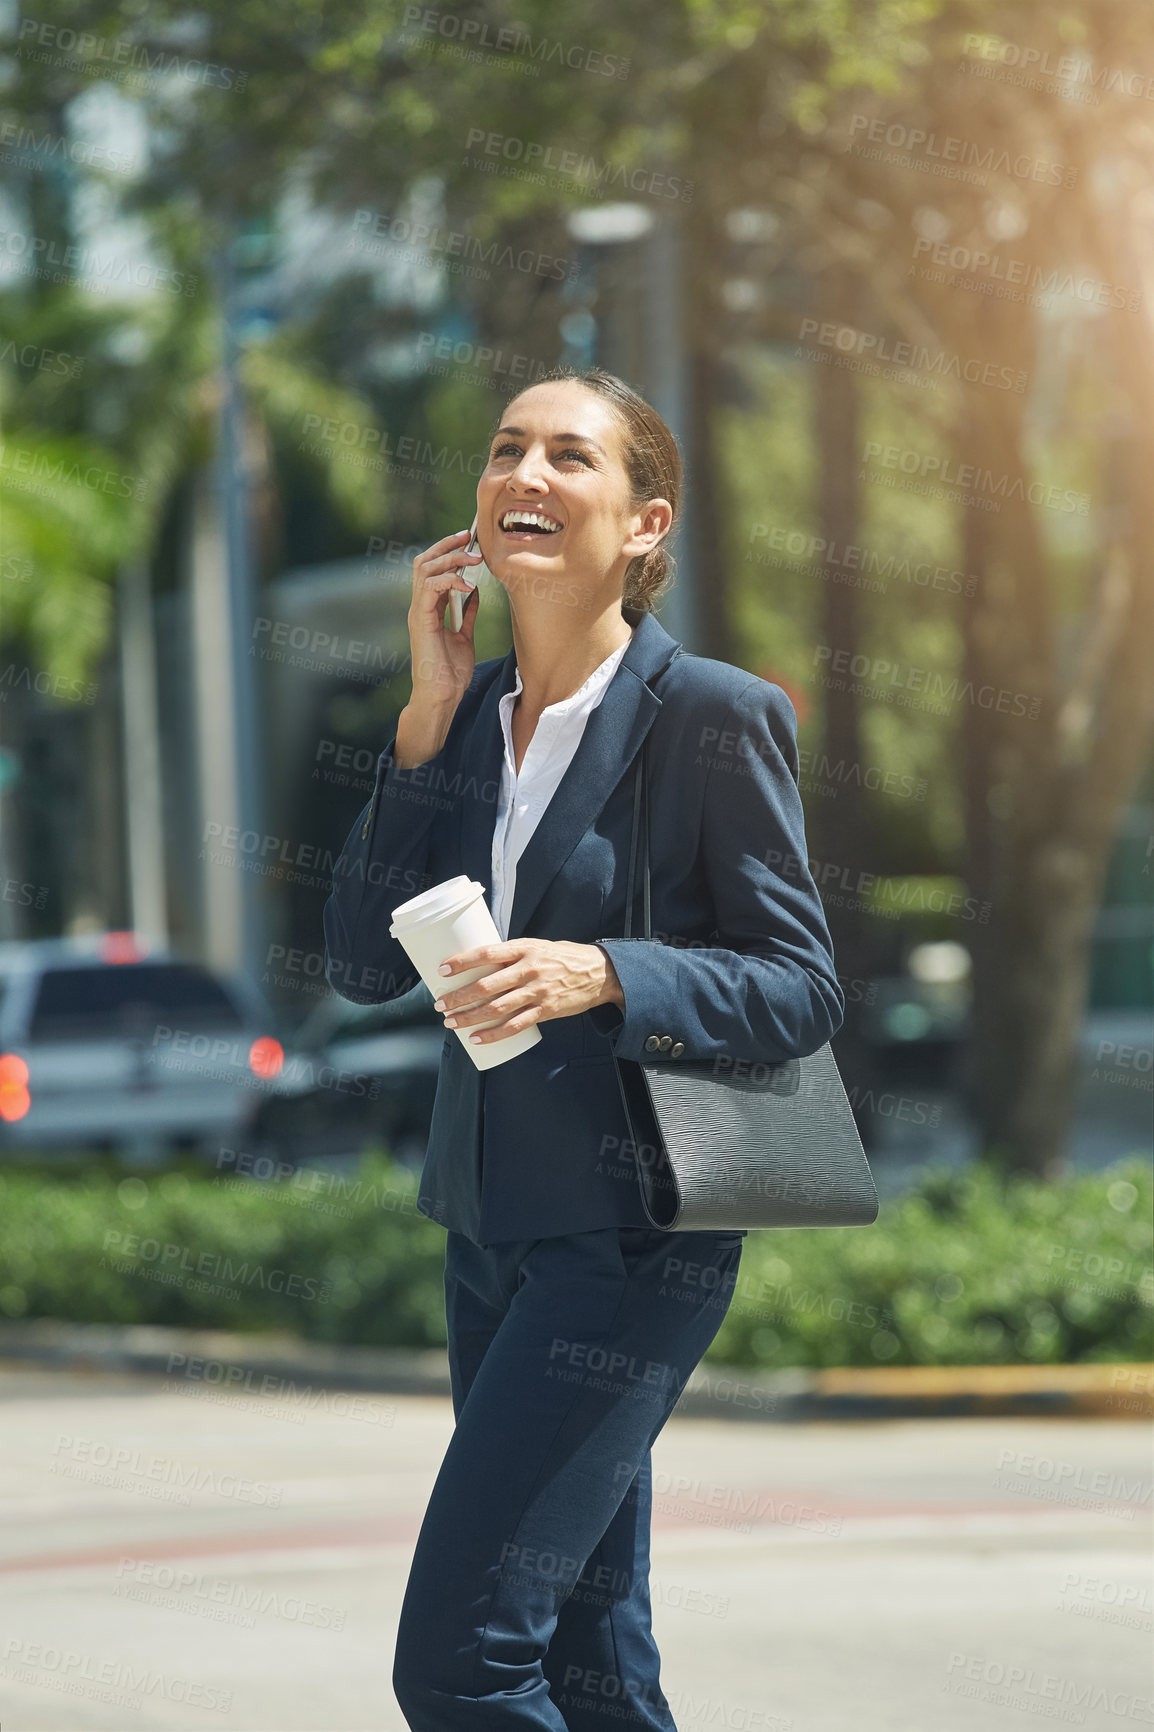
<point>640,829</point>
<point>638,797</point>
<point>645,842</point>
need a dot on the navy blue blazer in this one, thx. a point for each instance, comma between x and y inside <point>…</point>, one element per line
<point>739,965</point>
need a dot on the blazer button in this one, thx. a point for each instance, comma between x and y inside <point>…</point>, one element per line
<point>677,1049</point>
<point>664,1044</point>
<point>652,1043</point>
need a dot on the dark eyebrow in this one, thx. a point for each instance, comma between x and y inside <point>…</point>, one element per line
<point>571,438</point>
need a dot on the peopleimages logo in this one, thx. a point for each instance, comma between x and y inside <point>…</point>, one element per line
<point>476,37</point>
<point>481,359</point>
<point>57,263</point>
<point>42,360</point>
<point>1046,283</point>
<point>878,675</point>
<point>44,466</point>
<point>946,473</point>
<point>117,54</point>
<point>956,158</point>
<point>121,1683</point>
<point>1012,1684</point>
<point>16,139</point>
<point>17,678</point>
<point>180,1259</point>
<point>370,227</point>
<point>593,177</point>
<point>974,370</point>
<point>1075,72</point>
<point>812,555</point>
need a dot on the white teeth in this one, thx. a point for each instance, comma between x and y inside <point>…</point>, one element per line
<point>512,518</point>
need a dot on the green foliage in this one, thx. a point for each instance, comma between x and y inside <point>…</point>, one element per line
<point>74,506</point>
<point>333,429</point>
<point>68,506</point>
<point>458,418</point>
<point>968,1268</point>
<point>905,565</point>
<point>328,1258</point>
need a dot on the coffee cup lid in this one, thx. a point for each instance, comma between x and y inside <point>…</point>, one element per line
<point>434,904</point>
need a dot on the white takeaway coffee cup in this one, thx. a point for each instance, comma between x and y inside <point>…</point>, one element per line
<point>441,922</point>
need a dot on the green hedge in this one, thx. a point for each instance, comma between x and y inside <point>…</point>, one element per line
<point>330,1258</point>
<point>968,1268</point>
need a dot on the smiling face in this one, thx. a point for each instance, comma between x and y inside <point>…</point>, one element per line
<point>555,501</point>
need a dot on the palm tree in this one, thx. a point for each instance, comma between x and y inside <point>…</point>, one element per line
<point>109,415</point>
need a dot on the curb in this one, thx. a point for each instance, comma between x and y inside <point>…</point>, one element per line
<point>279,1363</point>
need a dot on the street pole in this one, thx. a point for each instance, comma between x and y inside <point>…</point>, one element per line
<point>667,388</point>
<point>228,721</point>
<point>144,812</point>
<point>659,315</point>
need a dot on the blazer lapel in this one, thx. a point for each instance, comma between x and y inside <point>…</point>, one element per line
<point>612,738</point>
<point>481,763</point>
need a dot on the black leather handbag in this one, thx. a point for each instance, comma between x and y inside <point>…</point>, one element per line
<point>755,1145</point>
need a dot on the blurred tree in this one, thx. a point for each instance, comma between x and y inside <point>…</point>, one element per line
<point>116,431</point>
<point>1055,706</point>
<point>1053,703</point>
<point>765,106</point>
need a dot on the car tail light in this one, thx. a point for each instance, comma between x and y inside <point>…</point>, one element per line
<point>14,1097</point>
<point>266,1056</point>
<point>122,947</point>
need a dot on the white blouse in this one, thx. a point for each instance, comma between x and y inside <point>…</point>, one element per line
<point>523,798</point>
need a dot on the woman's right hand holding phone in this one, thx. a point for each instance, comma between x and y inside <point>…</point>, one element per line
<point>442,659</point>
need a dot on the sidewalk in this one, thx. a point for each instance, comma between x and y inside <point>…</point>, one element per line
<point>175,1556</point>
<point>257,1363</point>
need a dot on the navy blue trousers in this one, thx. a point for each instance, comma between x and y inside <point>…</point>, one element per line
<point>527,1604</point>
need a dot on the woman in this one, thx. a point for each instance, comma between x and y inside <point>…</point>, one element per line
<point>573,1325</point>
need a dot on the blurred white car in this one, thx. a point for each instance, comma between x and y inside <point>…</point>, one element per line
<point>104,1042</point>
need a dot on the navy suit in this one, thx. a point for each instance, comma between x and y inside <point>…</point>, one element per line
<point>573,1324</point>
<point>740,963</point>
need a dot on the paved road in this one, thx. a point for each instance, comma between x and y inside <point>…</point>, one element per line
<point>182,1560</point>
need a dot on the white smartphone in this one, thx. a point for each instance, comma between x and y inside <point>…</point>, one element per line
<point>457,597</point>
